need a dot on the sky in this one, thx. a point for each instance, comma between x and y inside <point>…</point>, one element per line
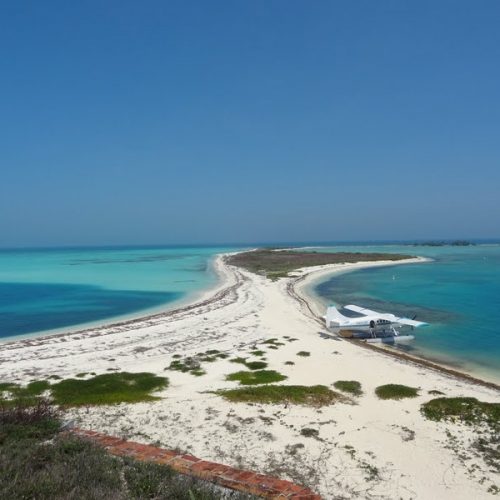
<point>166,122</point>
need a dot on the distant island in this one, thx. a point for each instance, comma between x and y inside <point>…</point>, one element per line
<point>276,263</point>
<point>456,243</point>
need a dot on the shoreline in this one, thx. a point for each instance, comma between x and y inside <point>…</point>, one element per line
<point>299,288</point>
<point>199,297</point>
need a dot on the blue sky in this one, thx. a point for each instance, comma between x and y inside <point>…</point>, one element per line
<point>194,122</point>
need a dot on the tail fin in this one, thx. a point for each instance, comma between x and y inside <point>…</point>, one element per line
<point>333,317</point>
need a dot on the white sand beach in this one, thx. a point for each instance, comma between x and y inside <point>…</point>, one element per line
<point>365,448</point>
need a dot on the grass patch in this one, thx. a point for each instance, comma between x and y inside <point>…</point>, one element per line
<point>468,410</point>
<point>256,365</point>
<point>483,417</point>
<point>258,353</point>
<point>191,364</point>
<point>122,387</point>
<point>434,392</point>
<point>273,342</point>
<point>304,354</point>
<point>239,360</point>
<point>308,432</point>
<point>316,395</point>
<point>256,377</point>
<point>350,386</point>
<point>7,386</point>
<point>208,359</point>
<point>395,391</point>
<point>289,363</point>
<point>27,395</point>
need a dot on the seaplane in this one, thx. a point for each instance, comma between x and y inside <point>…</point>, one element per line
<point>368,325</point>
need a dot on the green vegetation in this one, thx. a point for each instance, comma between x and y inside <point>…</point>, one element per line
<point>350,386</point>
<point>110,388</point>
<point>467,410</point>
<point>256,365</point>
<point>256,377</point>
<point>7,386</point>
<point>277,264</point>
<point>289,363</point>
<point>192,364</point>
<point>483,417</point>
<point>396,391</point>
<point>272,342</point>
<point>29,394</point>
<point>36,461</point>
<point>434,392</point>
<point>304,354</point>
<point>251,365</point>
<point>316,395</point>
<point>308,432</point>
<point>258,353</point>
<point>239,360</point>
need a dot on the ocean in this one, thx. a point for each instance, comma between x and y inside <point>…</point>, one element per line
<point>458,293</point>
<point>51,290</point>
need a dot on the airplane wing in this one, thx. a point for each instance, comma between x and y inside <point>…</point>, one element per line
<point>411,322</point>
<point>361,310</point>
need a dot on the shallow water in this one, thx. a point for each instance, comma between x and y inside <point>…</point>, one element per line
<point>458,293</point>
<point>44,290</point>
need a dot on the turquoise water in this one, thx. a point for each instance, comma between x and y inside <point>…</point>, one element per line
<point>458,293</point>
<point>46,290</point>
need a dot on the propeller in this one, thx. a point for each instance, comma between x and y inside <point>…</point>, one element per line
<point>414,316</point>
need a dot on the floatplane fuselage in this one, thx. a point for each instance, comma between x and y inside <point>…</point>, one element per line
<point>370,325</point>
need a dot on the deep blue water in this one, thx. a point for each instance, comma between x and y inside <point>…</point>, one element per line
<point>31,307</point>
<point>458,294</point>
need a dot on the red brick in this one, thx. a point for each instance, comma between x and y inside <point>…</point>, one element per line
<point>295,489</point>
<point>181,465</point>
<point>191,458</point>
<point>237,479</point>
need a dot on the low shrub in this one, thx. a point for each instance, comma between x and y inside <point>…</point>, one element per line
<point>396,391</point>
<point>316,395</point>
<point>256,377</point>
<point>110,388</point>
<point>350,386</point>
<point>468,410</point>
